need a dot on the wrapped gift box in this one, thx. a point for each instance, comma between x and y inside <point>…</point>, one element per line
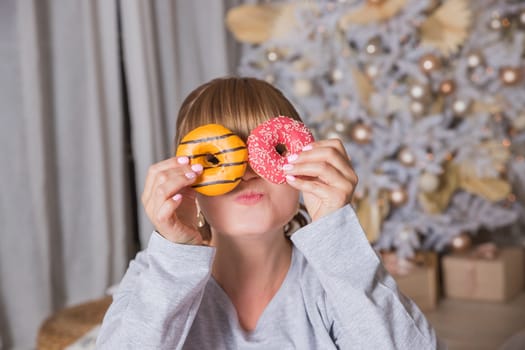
<point>417,278</point>
<point>497,277</point>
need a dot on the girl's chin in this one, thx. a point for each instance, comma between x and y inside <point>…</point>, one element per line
<point>253,230</point>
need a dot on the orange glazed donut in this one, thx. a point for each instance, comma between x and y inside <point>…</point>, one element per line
<point>222,154</point>
<point>271,142</point>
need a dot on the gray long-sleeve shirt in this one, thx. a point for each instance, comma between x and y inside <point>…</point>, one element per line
<point>336,295</point>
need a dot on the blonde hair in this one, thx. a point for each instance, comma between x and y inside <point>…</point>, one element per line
<point>240,104</point>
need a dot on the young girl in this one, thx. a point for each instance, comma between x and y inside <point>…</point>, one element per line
<point>221,273</point>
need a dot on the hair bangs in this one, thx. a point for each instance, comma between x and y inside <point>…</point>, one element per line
<point>239,104</point>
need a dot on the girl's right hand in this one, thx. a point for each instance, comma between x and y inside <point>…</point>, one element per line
<point>170,202</point>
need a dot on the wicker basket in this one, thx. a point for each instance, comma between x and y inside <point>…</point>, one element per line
<point>70,324</point>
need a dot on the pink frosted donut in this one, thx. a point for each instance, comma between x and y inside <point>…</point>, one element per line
<point>271,142</point>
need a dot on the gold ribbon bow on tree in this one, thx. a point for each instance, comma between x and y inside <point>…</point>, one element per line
<point>463,176</point>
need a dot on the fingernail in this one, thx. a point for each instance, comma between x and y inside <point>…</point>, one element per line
<point>307,148</point>
<point>177,197</point>
<point>287,167</point>
<point>183,160</point>
<point>190,175</point>
<point>197,168</point>
<point>290,178</point>
<point>292,157</point>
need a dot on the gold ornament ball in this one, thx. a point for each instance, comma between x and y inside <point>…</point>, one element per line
<point>429,63</point>
<point>272,56</point>
<point>398,196</point>
<point>447,87</point>
<point>359,193</point>
<point>510,75</point>
<point>270,78</point>
<point>336,75</point>
<point>521,19</point>
<point>371,71</point>
<point>519,122</point>
<point>332,134</point>
<point>428,182</point>
<point>461,242</point>
<point>406,156</point>
<point>495,24</point>
<point>302,87</point>
<point>417,108</point>
<point>361,133</point>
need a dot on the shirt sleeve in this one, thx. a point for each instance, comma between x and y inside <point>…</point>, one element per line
<point>366,308</point>
<point>158,298</point>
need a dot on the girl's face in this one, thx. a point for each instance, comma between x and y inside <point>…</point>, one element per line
<point>254,207</point>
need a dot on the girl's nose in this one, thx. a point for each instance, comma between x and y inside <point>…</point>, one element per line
<point>249,174</point>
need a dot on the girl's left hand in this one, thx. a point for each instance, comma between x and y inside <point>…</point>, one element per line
<point>325,176</point>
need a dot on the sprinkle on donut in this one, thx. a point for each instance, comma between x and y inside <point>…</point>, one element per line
<point>271,142</point>
<point>222,154</point>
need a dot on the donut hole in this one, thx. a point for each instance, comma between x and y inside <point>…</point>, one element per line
<point>212,160</point>
<point>281,149</point>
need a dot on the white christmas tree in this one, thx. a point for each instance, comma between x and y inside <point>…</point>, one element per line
<point>427,96</point>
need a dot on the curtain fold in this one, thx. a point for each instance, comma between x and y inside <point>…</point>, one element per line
<point>65,225</point>
<point>170,47</point>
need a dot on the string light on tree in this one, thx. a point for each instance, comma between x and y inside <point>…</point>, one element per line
<point>447,87</point>
<point>272,56</point>
<point>361,133</point>
<point>398,196</point>
<point>429,63</point>
<point>338,130</point>
<point>373,46</point>
<point>461,242</point>
<point>418,92</point>
<point>495,24</point>
<point>460,107</point>
<point>495,21</point>
<point>510,75</point>
<point>406,157</point>
<point>474,59</point>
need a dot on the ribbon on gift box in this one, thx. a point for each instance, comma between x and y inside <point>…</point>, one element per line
<point>487,251</point>
<point>484,251</point>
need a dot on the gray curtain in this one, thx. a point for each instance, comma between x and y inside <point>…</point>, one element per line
<point>66,205</point>
<point>170,47</point>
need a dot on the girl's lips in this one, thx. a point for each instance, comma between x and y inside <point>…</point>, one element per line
<point>249,198</point>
